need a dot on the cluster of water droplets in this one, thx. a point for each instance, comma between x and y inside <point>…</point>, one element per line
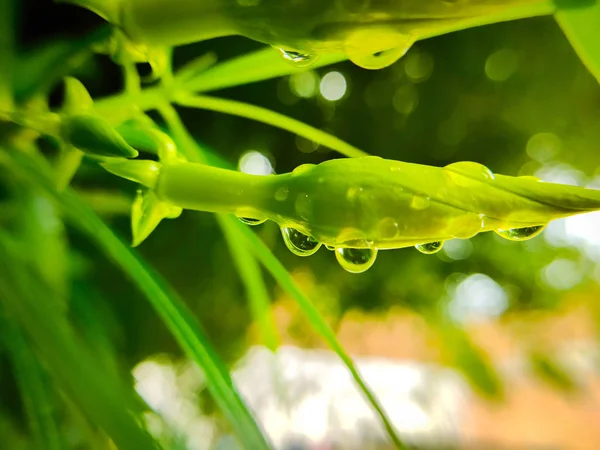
<point>358,260</point>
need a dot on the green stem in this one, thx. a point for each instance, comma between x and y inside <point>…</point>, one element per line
<point>66,167</point>
<point>270,118</point>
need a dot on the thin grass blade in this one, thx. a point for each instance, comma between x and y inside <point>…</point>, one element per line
<point>29,300</point>
<point>251,276</point>
<point>582,28</point>
<point>269,117</point>
<point>34,386</point>
<point>178,319</point>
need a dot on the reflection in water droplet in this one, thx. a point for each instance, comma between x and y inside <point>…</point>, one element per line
<point>356,260</point>
<point>521,234</point>
<point>298,59</point>
<point>251,221</point>
<point>282,194</point>
<point>419,201</point>
<point>299,243</point>
<point>430,248</point>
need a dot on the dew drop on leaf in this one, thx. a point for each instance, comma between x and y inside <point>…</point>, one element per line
<point>430,248</point>
<point>299,243</point>
<point>298,59</point>
<point>521,234</point>
<point>419,201</point>
<point>472,170</point>
<point>356,260</point>
<point>251,221</point>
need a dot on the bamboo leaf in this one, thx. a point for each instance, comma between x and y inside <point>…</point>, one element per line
<point>34,386</point>
<point>30,301</point>
<point>167,303</point>
<point>581,25</point>
<point>270,118</point>
<point>251,276</point>
<point>264,255</point>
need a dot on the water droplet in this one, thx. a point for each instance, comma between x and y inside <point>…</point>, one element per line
<point>281,194</point>
<point>380,60</point>
<point>251,221</point>
<point>298,59</point>
<point>419,201</point>
<point>356,260</point>
<point>299,243</point>
<point>472,170</point>
<point>430,248</point>
<point>387,228</point>
<point>329,247</point>
<point>467,225</point>
<point>521,234</point>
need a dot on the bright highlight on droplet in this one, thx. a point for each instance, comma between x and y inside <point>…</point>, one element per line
<point>255,163</point>
<point>333,86</point>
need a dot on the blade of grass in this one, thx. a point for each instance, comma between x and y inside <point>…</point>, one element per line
<point>172,310</point>
<point>34,387</point>
<point>269,117</point>
<point>285,280</point>
<point>245,263</point>
<point>582,28</point>
<point>251,276</point>
<point>7,37</point>
<point>271,263</point>
<point>29,300</point>
<point>256,66</point>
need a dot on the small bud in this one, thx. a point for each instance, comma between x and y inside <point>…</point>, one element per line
<point>77,98</point>
<point>92,134</point>
<point>147,212</point>
<point>144,171</point>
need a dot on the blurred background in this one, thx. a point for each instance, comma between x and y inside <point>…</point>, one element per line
<point>487,344</point>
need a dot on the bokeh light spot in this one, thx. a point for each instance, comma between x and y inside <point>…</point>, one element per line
<point>501,65</point>
<point>255,163</point>
<point>333,86</point>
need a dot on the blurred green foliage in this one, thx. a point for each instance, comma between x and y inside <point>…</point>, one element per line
<point>513,96</point>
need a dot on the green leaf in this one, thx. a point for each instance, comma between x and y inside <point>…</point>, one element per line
<point>260,65</point>
<point>270,118</point>
<point>34,386</point>
<point>251,276</point>
<point>582,28</point>
<point>30,301</point>
<point>193,152</point>
<point>314,318</point>
<point>172,310</point>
